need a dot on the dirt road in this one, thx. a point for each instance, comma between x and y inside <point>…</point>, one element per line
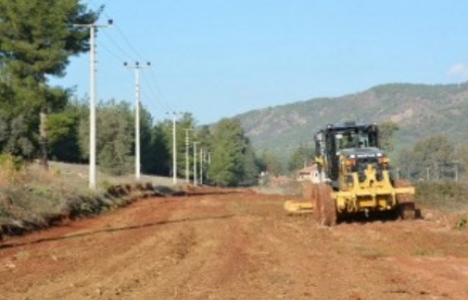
<point>234,245</point>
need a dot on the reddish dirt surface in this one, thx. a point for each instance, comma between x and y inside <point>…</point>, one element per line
<point>235,245</point>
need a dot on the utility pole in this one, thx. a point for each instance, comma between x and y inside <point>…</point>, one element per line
<point>137,68</point>
<point>187,144</point>
<point>195,163</point>
<point>92,100</point>
<point>201,166</point>
<point>208,161</point>
<point>174,148</point>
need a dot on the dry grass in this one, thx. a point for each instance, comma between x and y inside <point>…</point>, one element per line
<point>446,195</point>
<point>183,243</point>
<point>32,197</point>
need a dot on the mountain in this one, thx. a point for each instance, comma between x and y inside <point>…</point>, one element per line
<point>419,110</point>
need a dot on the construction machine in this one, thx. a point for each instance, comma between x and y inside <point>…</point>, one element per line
<point>355,177</point>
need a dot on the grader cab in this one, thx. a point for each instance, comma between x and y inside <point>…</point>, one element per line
<point>355,176</point>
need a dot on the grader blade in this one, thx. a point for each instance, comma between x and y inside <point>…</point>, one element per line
<point>296,207</point>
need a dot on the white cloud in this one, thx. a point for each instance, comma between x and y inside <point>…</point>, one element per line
<point>458,70</point>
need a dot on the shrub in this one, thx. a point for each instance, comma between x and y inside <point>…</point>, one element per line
<point>11,168</point>
<point>449,195</point>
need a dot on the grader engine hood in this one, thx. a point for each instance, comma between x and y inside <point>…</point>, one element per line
<point>365,161</point>
<point>367,184</point>
<point>362,153</point>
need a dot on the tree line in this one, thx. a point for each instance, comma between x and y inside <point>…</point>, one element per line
<point>37,120</point>
<point>40,121</point>
<point>433,158</point>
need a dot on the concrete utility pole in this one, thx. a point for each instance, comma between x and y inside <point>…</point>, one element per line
<point>92,100</point>
<point>195,163</point>
<point>208,161</point>
<point>137,68</point>
<point>201,166</point>
<point>187,144</point>
<point>174,148</point>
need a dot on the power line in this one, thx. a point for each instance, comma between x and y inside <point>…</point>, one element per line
<point>108,50</point>
<point>155,81</point>
<point>129,44</point>
<point>117,46</point>
<point>129,52</point>
<point>158,99</point>
<point>122,35</point>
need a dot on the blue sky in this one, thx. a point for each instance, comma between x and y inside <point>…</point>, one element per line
<point>218,58</point>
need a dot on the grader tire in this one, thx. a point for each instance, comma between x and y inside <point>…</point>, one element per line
<point>406,209</point>
<point>325,207</point>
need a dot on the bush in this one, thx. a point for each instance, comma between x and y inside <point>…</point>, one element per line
<point>449,195</point>
<point>11,168</point>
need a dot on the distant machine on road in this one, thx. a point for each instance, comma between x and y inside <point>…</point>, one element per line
<point>354,176</point>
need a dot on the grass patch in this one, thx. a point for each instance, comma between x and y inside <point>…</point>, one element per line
<point>33,198</point>
<point>183,243</point>
<point>370,252</point>
<point>429,252</point>
<point>461,223</point>
<point>27,191</point>
<point>446,195</point>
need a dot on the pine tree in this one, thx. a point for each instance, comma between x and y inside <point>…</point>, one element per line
<point>36,40</point>
<point>232,160</point>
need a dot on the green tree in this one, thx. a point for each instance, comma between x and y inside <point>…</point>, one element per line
<point>148,159</point>
<point>205,138</point>
<point>269,163</point>
<point>434,153</point>
<point>36,40</point>
<point>186,121</point>
<point>301,157</point>
<point>160,151</point>
<point>461,158</point>
<point>18,143</point>
<point>386,133</point>
<point>115,138</point>
<point>63,132</point>
<point>250,168</point>
<point>406,163</point>
<point>227,160</point>
<point>115,126</point>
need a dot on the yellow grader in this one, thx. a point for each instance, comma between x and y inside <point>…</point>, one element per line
<point>353,177</point>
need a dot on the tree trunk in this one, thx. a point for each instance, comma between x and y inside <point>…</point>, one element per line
<point>43,140</point>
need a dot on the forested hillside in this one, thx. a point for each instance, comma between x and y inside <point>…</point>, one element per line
<point>419,111</point>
